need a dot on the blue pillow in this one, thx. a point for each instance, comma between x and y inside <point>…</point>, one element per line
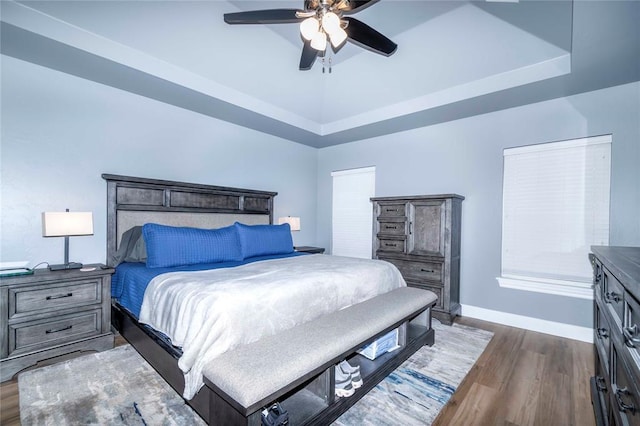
<point>263,240</point>
<point>174,246</point>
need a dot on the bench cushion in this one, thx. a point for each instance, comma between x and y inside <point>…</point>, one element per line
<point>252,372</point>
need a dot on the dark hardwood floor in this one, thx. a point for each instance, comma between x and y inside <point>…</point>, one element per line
<point>522,378</point>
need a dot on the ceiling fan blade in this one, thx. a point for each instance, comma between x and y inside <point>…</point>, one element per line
<point>352,6</point>
<point>308,57</point>
<point>368,38</point>
<point>268,16</point>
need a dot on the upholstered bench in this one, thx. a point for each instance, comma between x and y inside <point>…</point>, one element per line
<point>253,376</point>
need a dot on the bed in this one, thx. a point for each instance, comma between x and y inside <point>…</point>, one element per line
<point>166,206</point>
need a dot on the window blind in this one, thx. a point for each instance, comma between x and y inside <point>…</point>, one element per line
<point>352,213</point>
<point>555,206</point>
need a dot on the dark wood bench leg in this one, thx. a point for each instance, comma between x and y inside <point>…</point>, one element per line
<point>223,414</point>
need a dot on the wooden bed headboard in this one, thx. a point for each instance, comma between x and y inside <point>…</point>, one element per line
<point>135,201</point>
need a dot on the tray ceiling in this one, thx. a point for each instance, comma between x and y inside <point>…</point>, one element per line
<point>455,59</point>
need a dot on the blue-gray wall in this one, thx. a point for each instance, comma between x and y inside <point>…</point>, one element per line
<point>60,133</point>
<point>465,157</point>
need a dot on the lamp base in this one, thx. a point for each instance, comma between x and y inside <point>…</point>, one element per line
<point>65,266</point>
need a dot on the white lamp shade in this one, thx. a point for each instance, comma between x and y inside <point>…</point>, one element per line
<point>294,222</point>
<point>331,23</point>
<point>63,224</point>
<point>338,37</point>
<point>319,41</point>
<point>309,28</point>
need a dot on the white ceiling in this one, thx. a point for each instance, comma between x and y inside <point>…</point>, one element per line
<point>455,59</point>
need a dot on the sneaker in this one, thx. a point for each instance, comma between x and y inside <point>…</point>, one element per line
<point>344,388</point>
<point>275,416</point>
<point>356,378</point>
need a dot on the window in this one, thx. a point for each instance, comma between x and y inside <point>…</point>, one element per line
<point>352,218</point>
<point>555,206</point>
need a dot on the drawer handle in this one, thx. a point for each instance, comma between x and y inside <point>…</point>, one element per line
<point>59,296</point>
<point>611,295</point>
<point>389,245</point>
<point>392,227</point>
<point>603,333</point>
<point>427,270</point>
<point>624,407</point>
<point>601,384</point>
<point>629,333</point>
<point>57,330</point>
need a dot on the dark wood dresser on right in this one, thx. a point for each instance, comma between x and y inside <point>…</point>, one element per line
<point>615,388</point>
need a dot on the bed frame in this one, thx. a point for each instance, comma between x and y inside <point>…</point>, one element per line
<point>134,201</point>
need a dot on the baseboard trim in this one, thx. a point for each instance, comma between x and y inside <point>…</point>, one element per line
<point>569,331</point>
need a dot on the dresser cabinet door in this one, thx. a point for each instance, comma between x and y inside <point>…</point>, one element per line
<point>427,228</point>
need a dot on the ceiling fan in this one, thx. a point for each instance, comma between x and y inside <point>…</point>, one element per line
<point>321,20</point>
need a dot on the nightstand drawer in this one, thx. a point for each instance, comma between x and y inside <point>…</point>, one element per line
<point>32,335</point>
<point>42,298</point>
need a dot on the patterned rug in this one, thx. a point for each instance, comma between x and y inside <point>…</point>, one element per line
<point>118,387</point>
<point>416,391</point>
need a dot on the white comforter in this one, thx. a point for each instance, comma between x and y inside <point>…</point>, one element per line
<point>210,312</point>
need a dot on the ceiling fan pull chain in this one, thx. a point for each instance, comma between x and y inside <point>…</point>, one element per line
<point>322,65</point>
<point>329,64</point>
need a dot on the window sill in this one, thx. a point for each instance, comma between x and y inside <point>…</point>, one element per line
<point>580,290</point>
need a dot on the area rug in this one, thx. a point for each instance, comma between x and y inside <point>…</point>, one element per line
<point>416,391</point>
<point>118,387</point>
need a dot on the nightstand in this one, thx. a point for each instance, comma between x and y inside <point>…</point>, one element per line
<point>308,249</point>
<point>48,314</point>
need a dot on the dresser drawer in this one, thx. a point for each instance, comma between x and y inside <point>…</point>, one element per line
<point>436,289</point>
<point>613,296</point>
<point>391,245</point>
<point>631,328</point>
<point>602,335</point>
<point>392,228</point>
<point>603,387</point>
<point>626,398</point>
<point>419,271</point>
<point>32,335</point>
<point>391,210</point>
<point>26,300</point>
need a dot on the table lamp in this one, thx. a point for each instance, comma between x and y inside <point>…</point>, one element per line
<point>66,224</point>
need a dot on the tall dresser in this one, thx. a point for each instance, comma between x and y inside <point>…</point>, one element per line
<point>615,388</point>
<point>421,236</point>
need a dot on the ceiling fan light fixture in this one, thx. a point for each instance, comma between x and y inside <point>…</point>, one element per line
<point>319,41</point>
<point>331,23</point>
<point>338,37</point>
<point>309,28</point>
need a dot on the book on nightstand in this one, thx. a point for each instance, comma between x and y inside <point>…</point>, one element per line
<point>10,272</point>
